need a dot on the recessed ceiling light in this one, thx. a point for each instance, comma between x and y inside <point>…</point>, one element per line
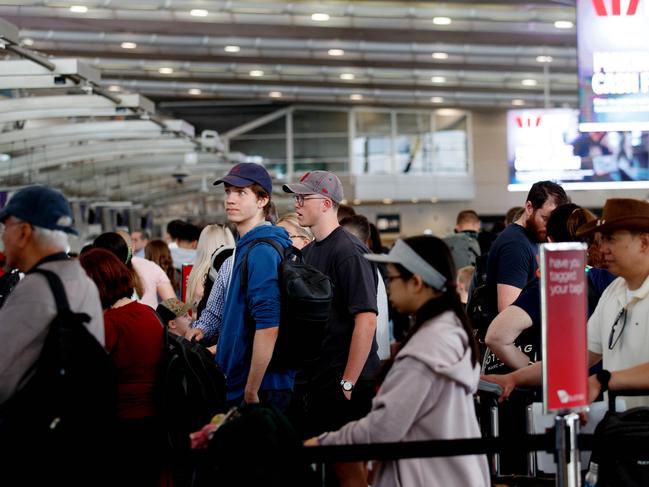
<point>231,48</point>
<point>414,200</point>
<point>128,45</point>
<point>438,79</point>
<point>28,42</point>
<point>256,73</point>
<point>336,52</point>
<point>440,55</point>
<point>529,82</point>
<point>165,70</point>
<point>437,99</point>
<point>356,201</point>
<point>320,17</point>
<point>442,20</point>
<point>434,200</point>
<point>387,201</point>
<point>356,97</point>
<point>198,12</point>
<point>544,59</point>
<point>195,91</point>
<point>79,9</point>
<point>563,24</point>
<point>347,76</point>
<point>275,94</point>
<point>518,102</point>
<point>114,88</point>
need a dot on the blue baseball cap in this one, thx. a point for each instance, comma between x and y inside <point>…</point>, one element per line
<point>41,206</point>
<point>247,173</point>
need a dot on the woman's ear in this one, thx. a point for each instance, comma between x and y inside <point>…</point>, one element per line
<point>417,282</point>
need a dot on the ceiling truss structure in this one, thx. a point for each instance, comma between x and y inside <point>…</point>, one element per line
<point>59,127</point>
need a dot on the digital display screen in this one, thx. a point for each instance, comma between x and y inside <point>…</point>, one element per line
<point>613,57</point>
<point>545,144</point>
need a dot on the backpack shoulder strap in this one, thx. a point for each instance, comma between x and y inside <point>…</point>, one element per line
<point>57,288</point>
<point>244,263</point>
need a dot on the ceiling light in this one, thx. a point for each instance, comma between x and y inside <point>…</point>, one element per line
<point>195,91</point>
<point>544,59</point>
<point>440,55</point>
<point>356,97</point>
<point>563,24</point>
<point>336,52</point>
<point>231,48</point>
<point>114,88</point>
<point>79,9</point>
<point>437,99</point>
<point>438,79</point>
<point>414,200</point>
<point>28,42</point>
<point>347,76</point>
<point>5,157</point>
<point>529,82</point>
<point>442,20</point>
<point>256,73</point>
<point>165,70</point>
<point>434,200</point>
<point>356,201</point>
<point>320,17</point>
<point>387,201</point>
<point>275,94</point>
<point>128,45</point>
<point>518,102</point>
<point>198,12</point>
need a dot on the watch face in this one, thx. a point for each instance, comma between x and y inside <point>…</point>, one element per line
<point>347,386</point>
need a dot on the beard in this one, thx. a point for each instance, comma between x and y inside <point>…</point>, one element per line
<point>537,232</point>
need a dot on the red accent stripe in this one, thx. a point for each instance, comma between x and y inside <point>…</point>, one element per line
<point>633,6</point>
<point>600,8</point>
<point>615,7</point>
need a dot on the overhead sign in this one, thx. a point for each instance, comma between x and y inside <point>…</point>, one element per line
<point>563,317</point>
<point>613,64</point>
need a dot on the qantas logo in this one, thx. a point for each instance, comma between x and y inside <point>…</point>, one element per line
<point>616,7</point>
<point>525,122</point>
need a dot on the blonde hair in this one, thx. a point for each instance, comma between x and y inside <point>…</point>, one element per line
<point>212,237</point>
<point>291,220</point>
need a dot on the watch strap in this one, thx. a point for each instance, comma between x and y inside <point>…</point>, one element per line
<point>603,377</point>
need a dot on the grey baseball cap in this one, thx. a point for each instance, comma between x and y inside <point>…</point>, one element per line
<point>318,182</point>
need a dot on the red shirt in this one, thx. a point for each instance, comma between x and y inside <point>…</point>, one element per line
<point>134,340</point>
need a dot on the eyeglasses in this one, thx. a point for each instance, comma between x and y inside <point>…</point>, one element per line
<point>612,341</point>
<point>389,279</point>
<point>300,199</point>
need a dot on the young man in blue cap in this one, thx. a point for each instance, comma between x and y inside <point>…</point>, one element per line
<point>251,314</point>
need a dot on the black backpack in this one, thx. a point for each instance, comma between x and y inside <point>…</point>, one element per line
<point>306,296</point>
<point>190,390</point>
<point>477,307</point>
<point>256,445</point>
<point>66,412</point>
<point>627,469</point>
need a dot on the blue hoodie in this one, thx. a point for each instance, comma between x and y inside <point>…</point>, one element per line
<point>261,301</point>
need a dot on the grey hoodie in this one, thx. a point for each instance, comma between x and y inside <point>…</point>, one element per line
<point>427,395</point>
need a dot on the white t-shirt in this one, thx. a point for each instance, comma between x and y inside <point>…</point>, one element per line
<point>382,321</point>
<point>152,276</point>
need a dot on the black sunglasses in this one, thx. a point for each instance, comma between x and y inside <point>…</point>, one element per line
<point>612,341</point>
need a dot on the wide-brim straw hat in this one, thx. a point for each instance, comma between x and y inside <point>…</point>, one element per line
<point>619,214</point>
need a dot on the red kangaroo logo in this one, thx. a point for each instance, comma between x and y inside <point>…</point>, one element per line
<point>616,9</point>
<point>528,121</point>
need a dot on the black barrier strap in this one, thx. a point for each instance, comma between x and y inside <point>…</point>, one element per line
<point>432,448</point>
<point>627,447</point>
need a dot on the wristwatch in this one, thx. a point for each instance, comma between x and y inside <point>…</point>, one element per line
<point>347,385</point>
<point>603,376</point>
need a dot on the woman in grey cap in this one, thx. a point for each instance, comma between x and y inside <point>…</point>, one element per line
<point>427,389</point>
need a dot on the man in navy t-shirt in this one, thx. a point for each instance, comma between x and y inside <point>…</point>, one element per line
<point>512,261</point>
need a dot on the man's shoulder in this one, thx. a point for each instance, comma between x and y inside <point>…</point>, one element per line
<point>512,237</point>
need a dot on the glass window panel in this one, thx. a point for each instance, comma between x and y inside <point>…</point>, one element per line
<point>373,123</point>
<point>373,154</point>
<point>311,121</point>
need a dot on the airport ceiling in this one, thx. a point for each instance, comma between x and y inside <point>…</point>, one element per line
<point>218,64</point>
